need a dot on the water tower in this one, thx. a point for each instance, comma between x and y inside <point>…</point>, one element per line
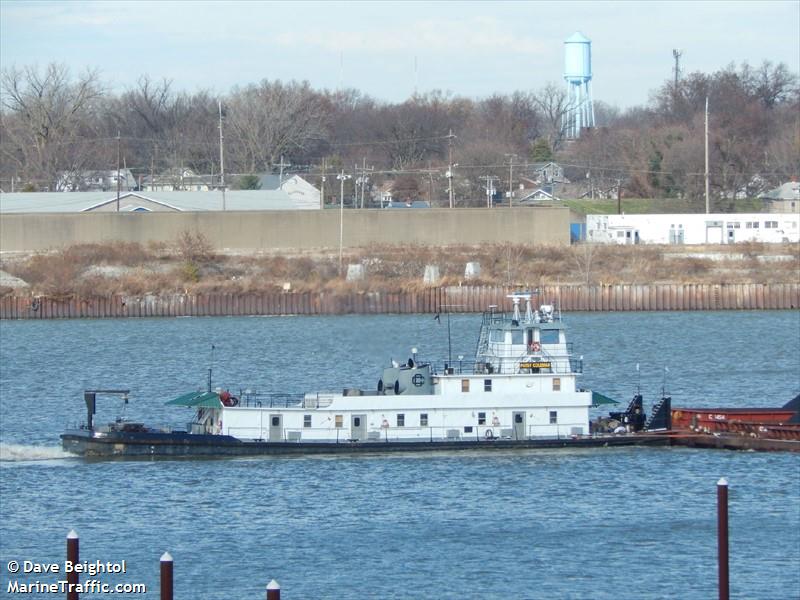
<point>578,74</point>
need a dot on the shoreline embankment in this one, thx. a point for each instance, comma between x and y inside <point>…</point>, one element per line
<point>432,300</point>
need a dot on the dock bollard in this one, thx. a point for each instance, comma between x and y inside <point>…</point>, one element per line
<point>73,556</point>
<point>273,590</point>
<point>166,576</point>
<point>722,538</point>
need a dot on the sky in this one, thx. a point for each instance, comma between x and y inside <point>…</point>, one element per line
<point>388,50</point>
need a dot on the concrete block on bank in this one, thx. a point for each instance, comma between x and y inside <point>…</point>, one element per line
<point>356,273</point>
<point>472,271</point>
<point>431,276</point>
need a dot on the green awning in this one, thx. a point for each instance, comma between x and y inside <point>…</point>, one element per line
<point>197,399</point>
<point>599,399</point>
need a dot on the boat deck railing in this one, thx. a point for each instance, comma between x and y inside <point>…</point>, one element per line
<point>510,366</point>
<point>264,400</point>
<point>488,431</point>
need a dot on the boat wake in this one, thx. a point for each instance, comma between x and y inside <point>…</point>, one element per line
<point>27,452</point>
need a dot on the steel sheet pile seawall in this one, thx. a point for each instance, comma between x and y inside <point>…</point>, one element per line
<point>467,299</point>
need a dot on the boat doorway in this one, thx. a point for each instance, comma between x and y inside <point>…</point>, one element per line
<point>519,425</point>
<point>358,427</point>
<point>276,428</point>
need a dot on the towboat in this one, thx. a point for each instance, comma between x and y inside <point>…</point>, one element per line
<point>520,390</point>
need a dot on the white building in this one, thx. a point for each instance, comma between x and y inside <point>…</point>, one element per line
<point>717,228</point>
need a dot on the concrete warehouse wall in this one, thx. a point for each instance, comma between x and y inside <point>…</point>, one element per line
<point>296,230</point>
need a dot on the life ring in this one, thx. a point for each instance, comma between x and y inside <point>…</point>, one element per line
<point>489,435</point>
<point>536,347</point>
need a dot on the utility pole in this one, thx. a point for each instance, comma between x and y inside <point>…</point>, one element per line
<point>221,157</point>
<point>281,165</point>
<point>706,173</point>
<point>341,177</point>
<point>118,179</point>
<point>511,158</point>
<point>619,196</point>
<point>152,172</point>
<point>450,165</point>
<point>364,179</point>
<point>430,182</point>
<point>322,187</point>
<point>490,179</point>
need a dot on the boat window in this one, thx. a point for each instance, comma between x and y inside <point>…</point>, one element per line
<point>487,385</point>
<point>339,421</point>
<point>467,429</point>
<point>553,417</point>
<point>465,385</point>
<point>497,335</point>
<point>401,420</point>
<point>306,420</point>
<point>516,337</point>
<point>548,336</point>
<point>276,421</point>
<point>556,384</point>
<point>423,419</point>
<point>481,418</point>
<point>356,421</point>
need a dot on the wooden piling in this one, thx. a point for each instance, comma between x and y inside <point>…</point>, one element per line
<point>73,556</point>
<point>722,538</point>
<point>273,590</point>
<point>166,576</point>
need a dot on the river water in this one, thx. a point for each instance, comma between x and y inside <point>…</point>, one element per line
<point>607,523</point>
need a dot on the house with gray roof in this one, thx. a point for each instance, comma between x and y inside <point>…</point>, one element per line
<point>783,199</point>
<point>301,191</point>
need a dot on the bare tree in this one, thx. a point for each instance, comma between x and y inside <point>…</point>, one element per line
<point>271,119</point>
<point>47,121</point>
<point>553,104</point>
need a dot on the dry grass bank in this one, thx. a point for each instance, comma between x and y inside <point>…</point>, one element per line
<point>190,265</point>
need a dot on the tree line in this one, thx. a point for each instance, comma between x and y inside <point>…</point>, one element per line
<point>53,121</point>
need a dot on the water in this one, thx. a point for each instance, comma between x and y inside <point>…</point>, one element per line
<point>608,523</point>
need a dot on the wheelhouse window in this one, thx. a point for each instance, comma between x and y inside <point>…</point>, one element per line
<point>306,421</point>
<point>516,337</point>
<point>487,385</point>
<point>467,429</point>
<point>553,417</point>
<point>497,335</point>
<point>338,421</point>
<point>423,419</point>
<point>556,384</point>
<point>401,420</point>
<point>481,418</point>
<point>465,385</point>
<point>548,336</point>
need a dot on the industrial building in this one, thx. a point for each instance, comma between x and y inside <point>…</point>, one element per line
<point>717,228</point>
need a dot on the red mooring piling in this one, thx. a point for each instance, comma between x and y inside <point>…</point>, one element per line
<point>273,590</point>
<point>166,576</point>
<point>722,538</point>
<point>73,556</point>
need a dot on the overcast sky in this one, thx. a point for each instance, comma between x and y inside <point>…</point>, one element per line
<point>470,49</point>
